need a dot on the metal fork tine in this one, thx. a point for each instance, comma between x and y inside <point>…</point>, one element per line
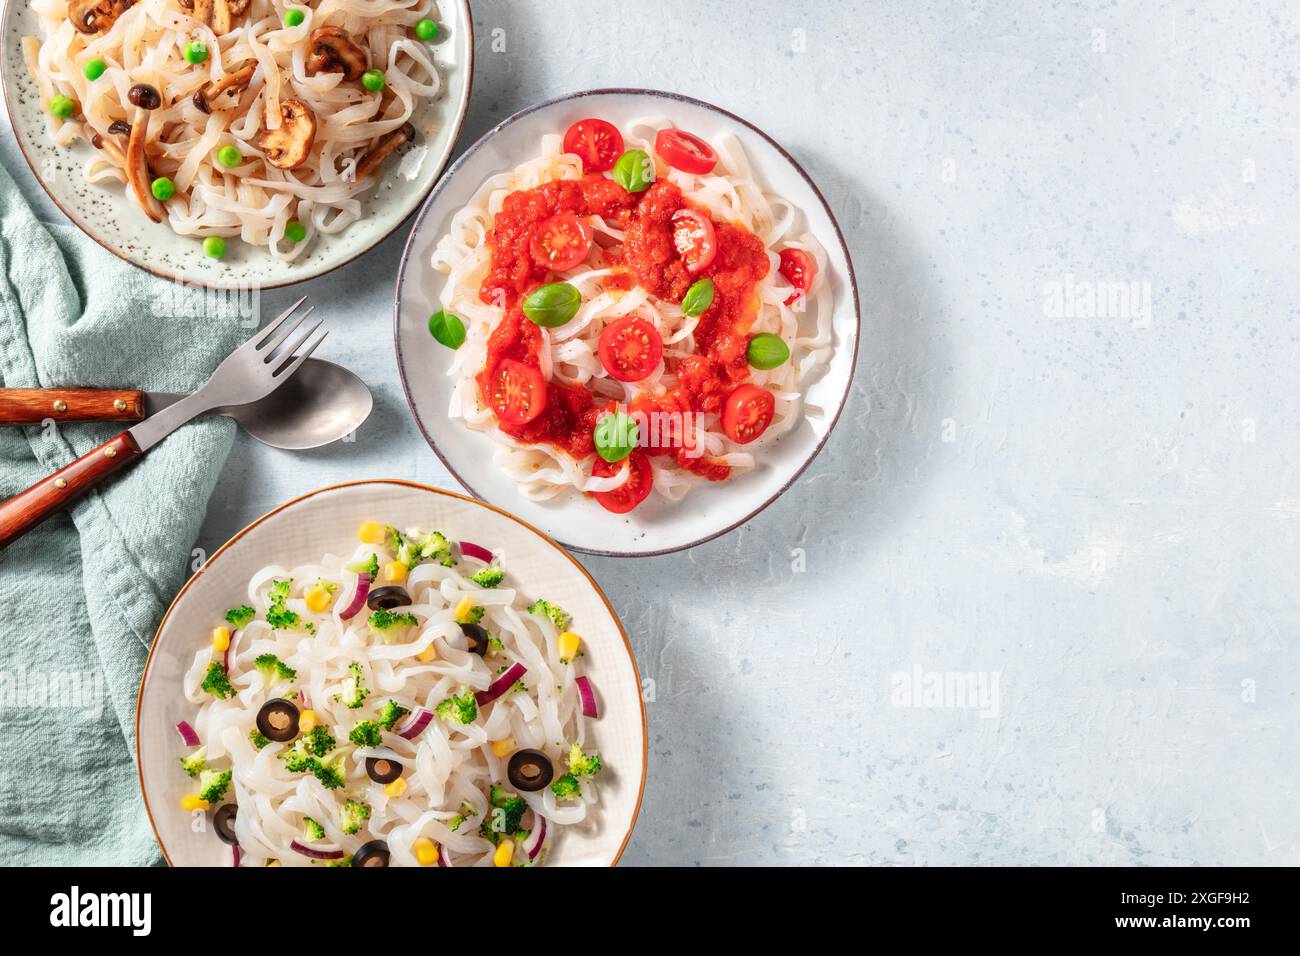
<point>257,340</point>
<point>292,365</point>
<point>284,336</point>
<point>289,350</point>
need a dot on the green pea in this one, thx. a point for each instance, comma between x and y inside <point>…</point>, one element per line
<point>698,298</point>
<point>767,351</point>
<point>447,328</point>
<point>94,69</point>
<point>293,18</point>
<point>163,188</point>
<point>615,436</point>
<point>426,30</point>
<point>634,171</point>
<point>229,156</point>
<point>196,52</point>
<point>214,246</point>
<point>295,231</point>
<point>62,106</point>
<point>550,306</point>
<point>373,80</point>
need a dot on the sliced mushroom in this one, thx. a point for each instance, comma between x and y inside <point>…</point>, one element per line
<point>332,50</point>
<point>232,84</point>
<point>289,145</point>
<point>387,144</point>
<point>145,98</point>
<point>96,16</point>
<point>225,13</point>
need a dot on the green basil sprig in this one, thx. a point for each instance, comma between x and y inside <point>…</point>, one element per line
<point>550,306</point>
<point>634,171</point>
<point>698,298</point>
<point>767,351</point>
<point>447,328</point>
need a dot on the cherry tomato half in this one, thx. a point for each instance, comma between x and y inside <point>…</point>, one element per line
<point>630,349</point>
<point>694,239</point>
<point>599,144</point>
<point>747,413</point>
<point>518,392</point>
<point>800,268</point>
<point>561,242</point>
<point>633,491</point>
<point>685,151</point>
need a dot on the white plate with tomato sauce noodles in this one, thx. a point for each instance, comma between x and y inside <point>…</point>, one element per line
<point>629,317</point>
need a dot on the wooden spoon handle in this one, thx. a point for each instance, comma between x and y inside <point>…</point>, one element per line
<point>31,406</point>
<point>29,508</point>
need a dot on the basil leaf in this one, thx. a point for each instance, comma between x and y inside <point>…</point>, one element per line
<point>615,436</point>
<point>634,171</point>
<point>447,328</point>
<point>698,298</point>
<point>767,351</point>
<point>550,306</point>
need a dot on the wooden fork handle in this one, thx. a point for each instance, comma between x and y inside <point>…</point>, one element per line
<point>29,508</point>
<point>31,406</point>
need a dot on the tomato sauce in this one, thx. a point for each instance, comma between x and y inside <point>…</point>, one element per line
<point>651,260</point>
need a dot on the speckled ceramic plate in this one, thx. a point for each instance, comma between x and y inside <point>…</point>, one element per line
<point>108,216</point>
<point>326,521</point>
<point>656,526</point>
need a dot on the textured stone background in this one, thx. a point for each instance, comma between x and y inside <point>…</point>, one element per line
<point>1094,513</point>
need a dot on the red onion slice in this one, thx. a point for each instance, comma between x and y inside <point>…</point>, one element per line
<point>501,684</point>
<point>187,734</point>
<point>471,550</point>
<point>234,853</point>
<point>358,597</point>
<point>415,725</point>
<point>587,695</point>
<point>314,853</point>
<point>304,699</point>
<point>533,845</point>
<point>442,856</point>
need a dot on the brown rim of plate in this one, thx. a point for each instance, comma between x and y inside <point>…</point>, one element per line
<point>210,284</point>
<point>678,98</point>
<point>139,700</point>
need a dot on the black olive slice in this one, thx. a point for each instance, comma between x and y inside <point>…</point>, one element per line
<point>530,770</point>
<point>374,853</point>
<point>477,637</point>
<point>383,770</point>
<point>223,822</point>
<point>278,720</point>
<point>385,599</point>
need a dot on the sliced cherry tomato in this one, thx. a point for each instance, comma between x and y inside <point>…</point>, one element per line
<point>694,238</point>
<point>598,143</point>
<point>747,413</point>
<point>685,151</point>
<point>561,242</point>
<point>633,491</point>
<point>800,268</point>
<point>630,349</point>
<point>518,392</point>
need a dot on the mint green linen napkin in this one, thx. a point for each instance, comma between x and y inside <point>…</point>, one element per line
<point>82,594</point>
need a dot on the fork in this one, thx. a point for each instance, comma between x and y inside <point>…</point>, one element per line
<point>254,370</point>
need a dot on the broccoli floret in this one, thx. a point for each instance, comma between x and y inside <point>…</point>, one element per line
<point>282,619</point>
<point>413,547</point>
<point>391,713</point>
<point>461,709</point>
<point>329,772</point>
<point>329,586</point>
<point>280,590</point>
<point>557,615</point>
<point>370,567</point>
<point>303,756</point>
<point>217,683</point>
<point>507,811</point>
<point>566,787</point>
<point>488,577</point>
<point>519,687</point>
<point>474,616</point>
<point>318,741</point>
<point>355,691</point>
<point>582,765</point>
<point>466,810</point>
<point>387,624</point>
<point>257,738</point>
<point>297,759</point>
<point>196,762</point>
<point>273,669</point>
<point>344,861</point>
<point>312,829</point>
<point>239,617</point>
<point>353,815</point>
<point>394,541</point>
<point>213,785</point>
<point>494,644</point>
<point>497,795</point>
<point>367,733</point>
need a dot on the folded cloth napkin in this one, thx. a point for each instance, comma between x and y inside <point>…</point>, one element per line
<point>82,594</point>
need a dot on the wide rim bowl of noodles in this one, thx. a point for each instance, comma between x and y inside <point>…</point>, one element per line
<point>109,216</point>
<point>657,526</point>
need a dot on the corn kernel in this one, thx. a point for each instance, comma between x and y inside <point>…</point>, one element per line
<point>318,598</point>
<point>430,653</point>
<point>193,802</point>
<point>426,851</point>
<point>273,863</point>
<point>396,788</point>
<point>505,851</point>
<point>463,608</point>
<point>395,572</point>
<point>370,532</point>
<point>307,721</point>
<point>504,747</point>
<point>569,645</point>
<point>221,639</point>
